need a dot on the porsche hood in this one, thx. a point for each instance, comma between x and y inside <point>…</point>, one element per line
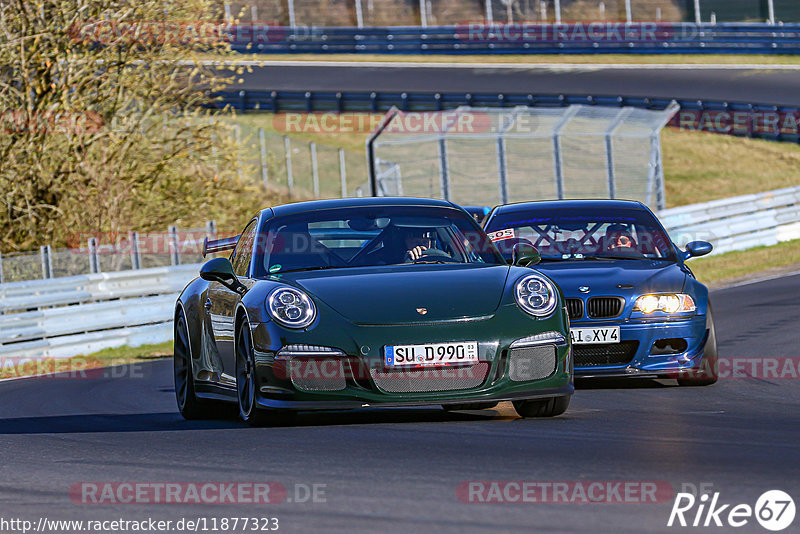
<point>408,293</point>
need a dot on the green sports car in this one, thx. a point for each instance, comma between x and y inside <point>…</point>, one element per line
<point>341,304</point>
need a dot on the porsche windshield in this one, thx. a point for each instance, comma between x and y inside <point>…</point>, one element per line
<point>579,234</point>
<point>370,236</point>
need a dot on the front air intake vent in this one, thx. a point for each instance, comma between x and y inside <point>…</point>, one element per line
<point>574,308</point>
<point>531,363</point>
<point>604,307</point>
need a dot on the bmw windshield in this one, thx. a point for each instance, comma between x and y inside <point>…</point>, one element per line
<point>581,234</point>
<point>369,237</point>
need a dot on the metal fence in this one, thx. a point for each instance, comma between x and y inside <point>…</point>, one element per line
<point>764,121</point>
<point>105,253</point>
<point>524,38</point>
<point>306,169</point>
<point>362,13</point>
<point>488,156</point>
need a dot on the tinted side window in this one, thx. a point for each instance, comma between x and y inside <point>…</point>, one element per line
<point>244,250</point>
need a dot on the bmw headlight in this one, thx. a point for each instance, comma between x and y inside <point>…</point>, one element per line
<point>291,307</point>
<point>669,303</point>
<point>536,295</point>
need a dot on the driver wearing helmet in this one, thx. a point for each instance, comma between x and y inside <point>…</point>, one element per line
<point>619,239</point>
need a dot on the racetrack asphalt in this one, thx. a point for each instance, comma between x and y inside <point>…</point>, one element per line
<point>397,470</point>
<point>748,84</point>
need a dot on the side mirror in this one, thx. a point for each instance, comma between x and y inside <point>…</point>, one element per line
<point>698,248</point>
<point>221,270</point>
<point>525,255</point>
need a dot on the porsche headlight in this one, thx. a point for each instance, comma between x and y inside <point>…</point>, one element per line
<point>291,307</point>
<point>536,295</point>
<point>669,303</point>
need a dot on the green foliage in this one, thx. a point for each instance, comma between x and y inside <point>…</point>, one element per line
<point>103,124</point>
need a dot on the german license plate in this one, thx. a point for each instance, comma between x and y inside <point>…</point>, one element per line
<point>594,336</point>
<point>431,354</point>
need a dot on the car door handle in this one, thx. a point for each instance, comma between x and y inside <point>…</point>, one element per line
<point>208,304</point>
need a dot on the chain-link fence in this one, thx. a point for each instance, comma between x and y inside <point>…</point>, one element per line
<point>104,253</point>
<point>489,156</point>
<point>306,169</point>
<point>453,12</point>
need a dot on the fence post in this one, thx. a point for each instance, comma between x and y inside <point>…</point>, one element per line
<point>502,167</point>
<point>136,255</point>
<point>314,168</point>
<point>263,142</point>
<point>697,18</point>
<point>489,14</point>
<point>543,10</point>
<point>423,13</point>
<point>174,253</point>
<point>292,21</point>
<point>342,173</point>
<point>612,127</point>
<point>557,8</point>
<point>558,163</point>
<point>771,8</point>
<point>94,261</point>
<point>287,145</point>
<point>359,15</point>
<point>211,229</point>
<point>628,13</point>
<point>47,261</point>
<point>444,169</point>
<point>1,267</point>
<point>238,132</point>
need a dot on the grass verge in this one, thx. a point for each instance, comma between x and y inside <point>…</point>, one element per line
<point>77,366</point>
<point>702,166</point>
<point>731,267</point>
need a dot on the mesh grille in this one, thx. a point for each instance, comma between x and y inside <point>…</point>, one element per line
<point>317,374</point>
<point>430,379</point>
<point>609,354</point>
<point>575,308</point>
<point>604,307</point>
<point>532,363</point>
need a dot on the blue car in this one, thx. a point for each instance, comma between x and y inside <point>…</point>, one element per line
<point>635,307</point>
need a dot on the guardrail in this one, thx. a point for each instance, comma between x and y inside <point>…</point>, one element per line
<point>737,223</point>
<point>501,38</point>
<point>64,317</point>
<point>763,121</point>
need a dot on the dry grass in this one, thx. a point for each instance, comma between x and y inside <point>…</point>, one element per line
<point>724,268</point>
<point>699,166</point>
<point>77,366</point>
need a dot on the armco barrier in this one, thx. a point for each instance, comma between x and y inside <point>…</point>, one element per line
<point>764,121</point>
<point>523,38</point>
<point>738,223</point>
<point>63,317</point>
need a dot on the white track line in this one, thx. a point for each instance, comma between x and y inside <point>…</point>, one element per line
<point>489,66</point>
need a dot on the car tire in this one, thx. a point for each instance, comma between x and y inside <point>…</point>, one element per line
<point>246,384</point>
<point>469,406</point>
<point>542,408</point>
<point>189,406</point>
<point>710,369</point>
